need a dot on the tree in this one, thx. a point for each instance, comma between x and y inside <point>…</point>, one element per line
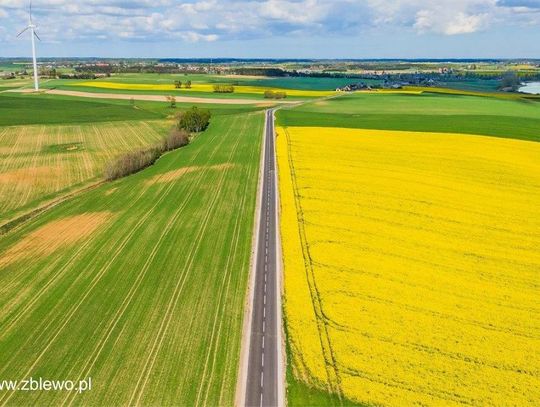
<point>270,94</point>
<point>188,85</point>
<point>510,81</point>
<point>178,84</point>
<point>223,89</point>
<point>194,120</point>
<point>172,101</point>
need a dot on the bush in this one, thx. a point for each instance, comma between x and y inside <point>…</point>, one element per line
<point>223,89</point>
<point>177,138</point>
<point>510,80</point>
<point>172,101</point>
<point>130,163</point>
<point>136,161</point>
<point>270,94</point>
<point>194,120</point>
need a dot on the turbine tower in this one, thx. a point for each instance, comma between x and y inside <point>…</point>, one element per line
<point>32,27</point>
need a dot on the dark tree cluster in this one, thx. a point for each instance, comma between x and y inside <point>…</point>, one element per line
<point>271,94</point>
<point>223,89</point>
<point>194,120</point>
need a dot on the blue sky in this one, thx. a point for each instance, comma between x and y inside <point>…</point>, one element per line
<point>276,28</point>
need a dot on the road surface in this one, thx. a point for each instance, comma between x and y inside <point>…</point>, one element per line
<point>264,381</point>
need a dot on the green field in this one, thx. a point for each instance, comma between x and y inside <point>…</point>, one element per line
<point>72,86</point>
<point>427,112</point>
<point>42,162</point>
<point>253,87</point>
<point>23,109</point>
<point>51,145</point>
<point>36,109</point>
<point>309,83</point>
<point>481,85</point>
<point>305,83</point>
<point>139,284</point>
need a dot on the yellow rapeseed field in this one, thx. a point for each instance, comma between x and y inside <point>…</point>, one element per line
<point>412,265</point>
<point>199,87</point>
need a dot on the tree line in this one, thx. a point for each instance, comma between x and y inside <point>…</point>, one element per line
<point>178,84</point>
<point>191,121</point>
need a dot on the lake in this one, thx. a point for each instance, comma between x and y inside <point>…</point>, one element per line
<point>531,87</point>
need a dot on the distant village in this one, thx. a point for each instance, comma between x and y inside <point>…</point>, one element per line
<point>419,80</point>
<point>363,75</point>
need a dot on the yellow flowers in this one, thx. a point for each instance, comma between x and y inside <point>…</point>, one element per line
<point>412,265</point>
<point>199,87</point>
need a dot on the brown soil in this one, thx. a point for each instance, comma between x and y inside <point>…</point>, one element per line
<point>54,236</point>
<point>30,175</point>
<point>176,174</point>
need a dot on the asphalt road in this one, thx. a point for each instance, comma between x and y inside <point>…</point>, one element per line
<point>263,360</point>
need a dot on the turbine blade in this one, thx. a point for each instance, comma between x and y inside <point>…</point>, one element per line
<point>37,36</point>
<point>22,32</point>
<point>30,11</point>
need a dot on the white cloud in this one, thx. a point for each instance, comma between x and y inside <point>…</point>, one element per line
<point>464,24</point>
<point>448,17</point>
<point>449,24</point>
<point>192,36</point>
<point>212,20</point>
<point>303,12</point>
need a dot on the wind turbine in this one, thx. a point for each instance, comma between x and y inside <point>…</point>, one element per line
<point>32,27</point>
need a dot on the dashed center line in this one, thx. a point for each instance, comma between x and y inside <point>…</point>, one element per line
<point>268,212</point>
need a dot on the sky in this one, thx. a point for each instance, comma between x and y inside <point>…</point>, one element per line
<point>275,28</point>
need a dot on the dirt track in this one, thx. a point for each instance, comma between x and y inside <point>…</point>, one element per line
<point>153,98</point>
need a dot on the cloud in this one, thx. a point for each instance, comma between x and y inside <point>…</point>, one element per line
<point>460,23</point>
<point>447,17</point>
<point>303,12</point>
<point>214,20</point>
<point>192,36</point>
